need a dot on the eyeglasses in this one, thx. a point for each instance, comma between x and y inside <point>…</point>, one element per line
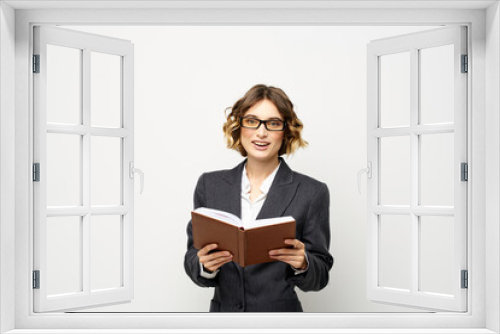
<point>270,124</point>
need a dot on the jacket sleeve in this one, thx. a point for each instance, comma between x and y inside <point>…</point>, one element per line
<point>191,261</point>
<point>316,237</point>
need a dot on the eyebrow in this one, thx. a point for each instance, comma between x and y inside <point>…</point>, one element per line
<point>269,119</point>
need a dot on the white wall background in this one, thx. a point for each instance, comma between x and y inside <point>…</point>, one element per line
<point>185,77</point>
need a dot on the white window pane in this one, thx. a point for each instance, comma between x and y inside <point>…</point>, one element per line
<point>106,254</point>
<point>63,84</point>
<point>395,170</point>
<point>105,90</point>
<point>394,252</point>
<point>105,171</point>
<point>437,169</point>
<point>436,254</point>
<point>63,255</point>
<point>395,90</point>
<point>437,84</point>
<point>63,169</point>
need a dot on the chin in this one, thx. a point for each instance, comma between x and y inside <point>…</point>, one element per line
<point>263,158</point>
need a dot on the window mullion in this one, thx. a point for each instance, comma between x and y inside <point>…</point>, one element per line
<point>414,170</point>
<point>127,117</point>
<point>86,139</point>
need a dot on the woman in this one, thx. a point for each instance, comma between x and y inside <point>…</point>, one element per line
<point>263,126</point>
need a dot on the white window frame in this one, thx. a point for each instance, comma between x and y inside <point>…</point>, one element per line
<point>484,165</point>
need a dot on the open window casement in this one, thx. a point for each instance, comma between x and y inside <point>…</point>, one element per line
<point>83,156</point>
<point>417,155</point>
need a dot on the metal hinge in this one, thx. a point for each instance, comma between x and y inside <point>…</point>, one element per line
<point>36,279</point>
<point>36,172</point>
<point>464,171</point>
<point>465,64</point>
<point>36,63</point>
<point>465,279</point>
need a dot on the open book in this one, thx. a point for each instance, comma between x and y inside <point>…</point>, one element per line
<point>249,245</point>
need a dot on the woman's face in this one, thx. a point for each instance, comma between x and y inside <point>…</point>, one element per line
<point>261,144</point>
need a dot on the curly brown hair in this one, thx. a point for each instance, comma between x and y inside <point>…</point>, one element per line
<point>292,137</point>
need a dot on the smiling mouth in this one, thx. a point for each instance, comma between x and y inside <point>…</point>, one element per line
<point>261,144</point>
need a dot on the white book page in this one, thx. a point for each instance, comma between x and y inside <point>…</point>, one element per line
<point>268,221</point>
<point>236,221</point>
<point>220,215</point>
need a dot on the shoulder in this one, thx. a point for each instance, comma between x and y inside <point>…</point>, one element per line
<point>230,175</point>
<point>216,174</point>
<point>309,182</point>
<point>213,176</point>
<point>311,190</point>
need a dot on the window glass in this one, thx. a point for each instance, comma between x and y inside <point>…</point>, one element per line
<point>436,254</point>
<point>105,88</point>
<point>63,169</point>
<point>395,252</point>
<point>64,73</point>
<point>437,84</point>
<point>395,170</point>
<point>395,90</point>
<point>437,169</point>
<point>106,171</point>
<point>64,236</point>
<point>106,252</point>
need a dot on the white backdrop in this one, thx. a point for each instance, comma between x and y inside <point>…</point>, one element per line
<point>185,77</point>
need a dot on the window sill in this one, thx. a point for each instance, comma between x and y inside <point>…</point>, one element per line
<point>249,331</point>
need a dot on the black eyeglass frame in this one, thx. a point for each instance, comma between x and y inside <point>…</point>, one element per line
<point>260,123</point>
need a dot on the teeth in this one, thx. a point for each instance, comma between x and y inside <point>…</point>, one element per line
<point>261,144</point>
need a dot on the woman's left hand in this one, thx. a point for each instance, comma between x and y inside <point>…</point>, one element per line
<point>293,256</point>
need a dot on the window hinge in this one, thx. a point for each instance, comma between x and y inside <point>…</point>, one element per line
<point>465,279</point>
<point>36,172</point>
<point>465,64</point>
<point>464,171</point>
<point>36,63</point>
<point>36,279</point>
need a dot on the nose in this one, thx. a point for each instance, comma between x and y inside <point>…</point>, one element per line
<point>261,131</point>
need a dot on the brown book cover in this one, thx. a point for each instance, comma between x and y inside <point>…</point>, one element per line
<point>249,245</point>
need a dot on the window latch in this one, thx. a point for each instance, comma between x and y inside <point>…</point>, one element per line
<point>368,171</point>
<point>133,170</point>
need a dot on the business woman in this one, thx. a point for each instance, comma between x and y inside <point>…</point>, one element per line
<point>263,126</point>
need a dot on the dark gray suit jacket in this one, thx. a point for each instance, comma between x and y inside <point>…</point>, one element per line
<point>267,287</point>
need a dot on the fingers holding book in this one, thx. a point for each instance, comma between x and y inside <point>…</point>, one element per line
<point>212,261</point>
<point>293,256</point>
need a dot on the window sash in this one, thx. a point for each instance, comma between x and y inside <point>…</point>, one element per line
<point>87,297</point>
<point>412,43</point>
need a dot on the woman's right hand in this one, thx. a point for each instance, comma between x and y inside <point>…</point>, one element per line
<point>215,260</point>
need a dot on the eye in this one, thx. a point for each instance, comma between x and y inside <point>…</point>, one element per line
<point>251,121</point>
<point>275,124</point>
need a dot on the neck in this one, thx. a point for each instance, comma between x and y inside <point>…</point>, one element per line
<point>261,169</point>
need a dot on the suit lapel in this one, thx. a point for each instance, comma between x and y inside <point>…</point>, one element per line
<point>278,198</point>
<point>280,194</point>
<point>230,193</point>
<point>229,197</point>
